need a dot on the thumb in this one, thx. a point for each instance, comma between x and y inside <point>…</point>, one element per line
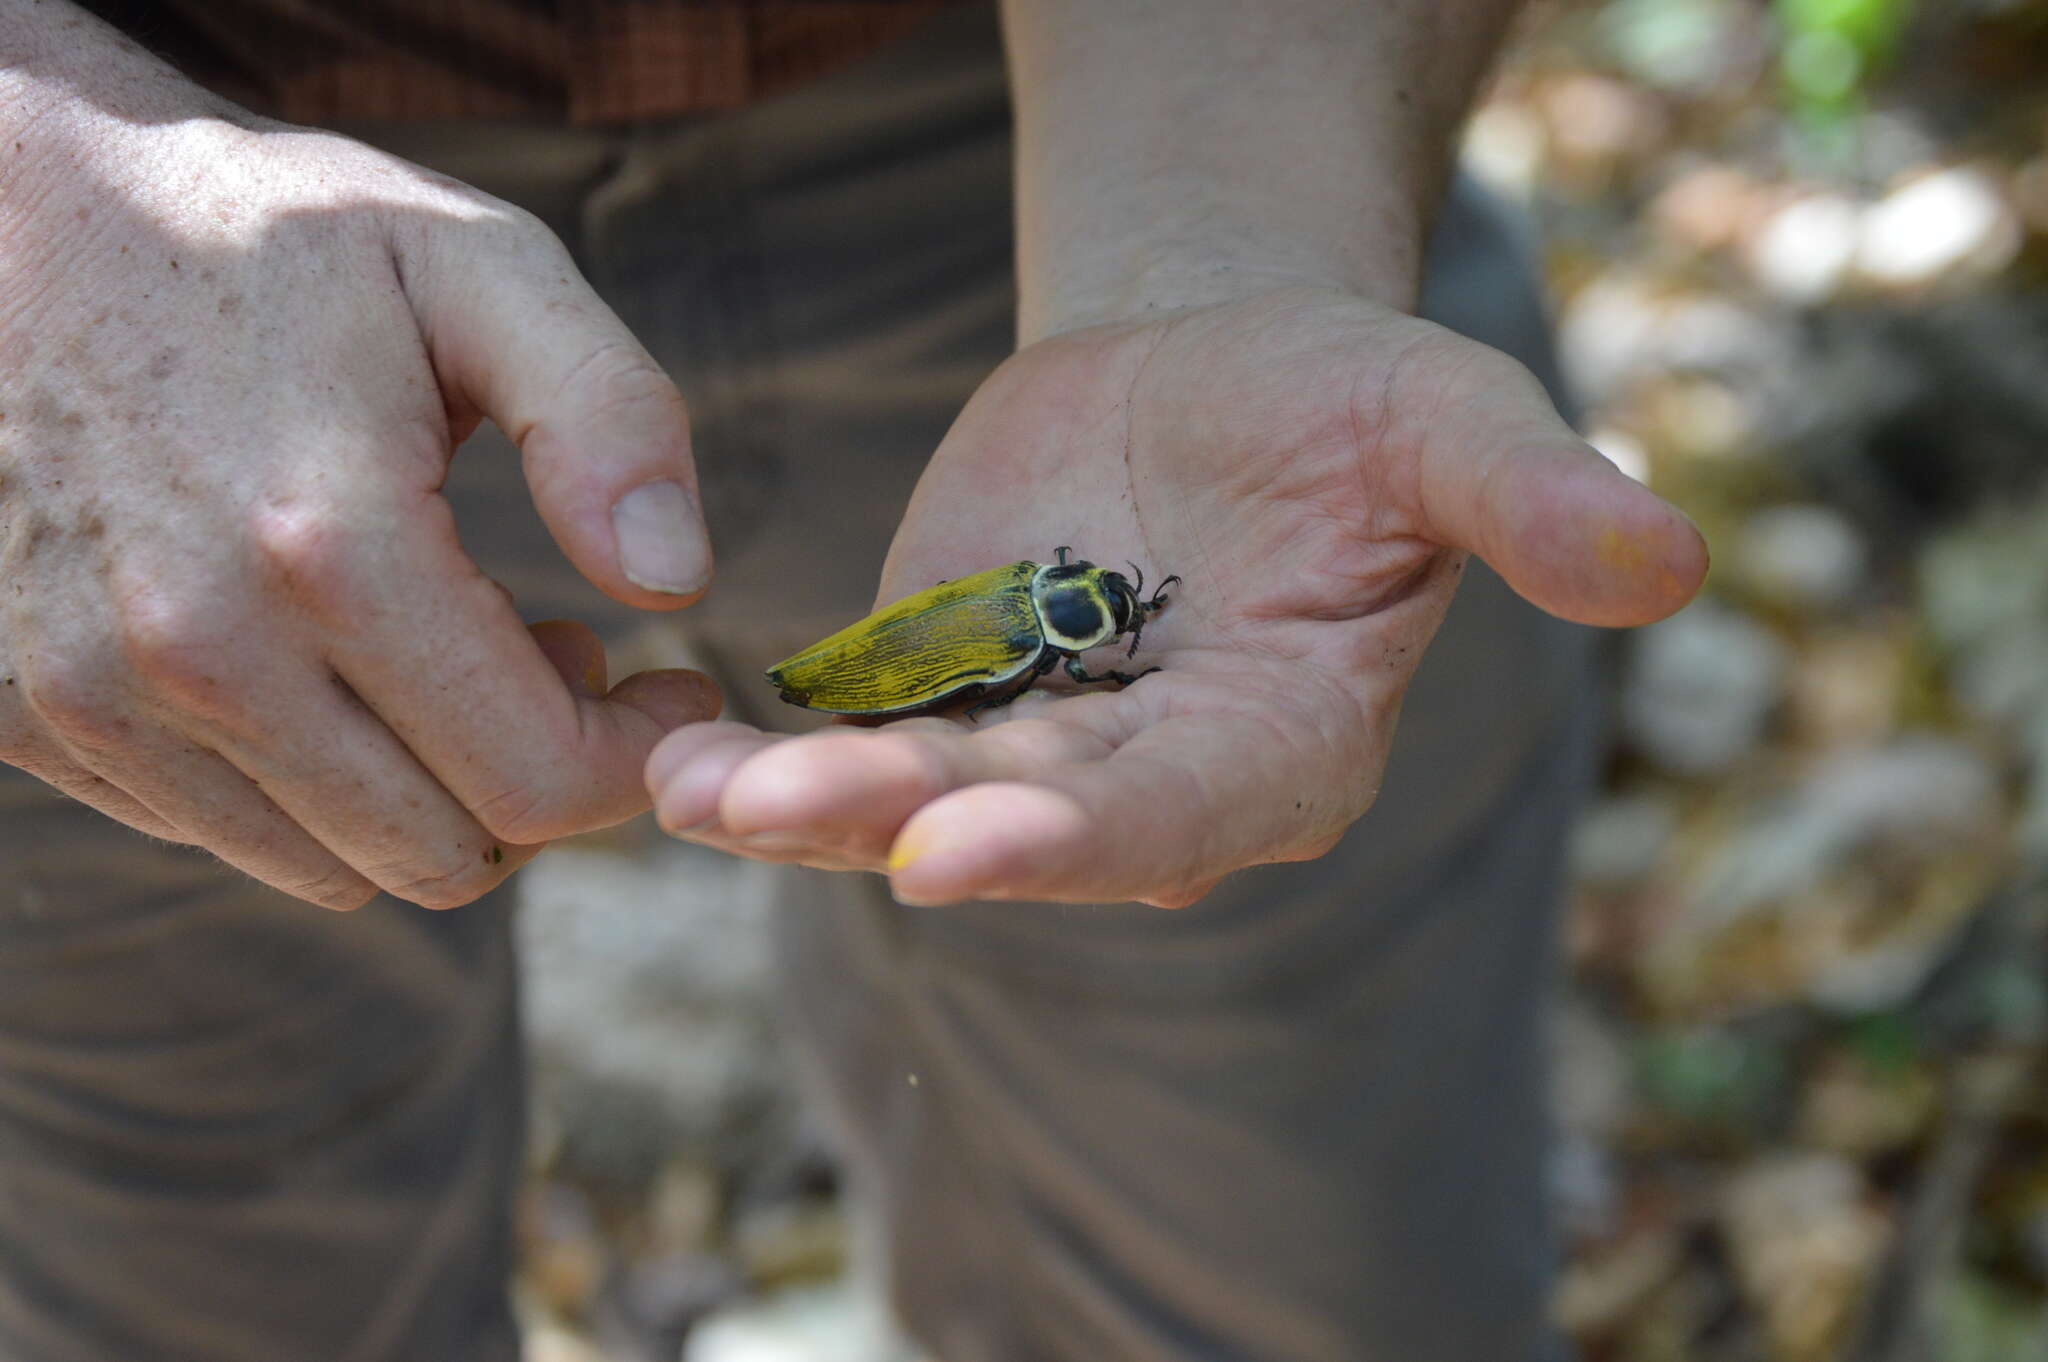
<point>514,331</point>
<point>1501,474</point>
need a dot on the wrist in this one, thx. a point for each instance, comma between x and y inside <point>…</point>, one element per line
<point>1148,275</point>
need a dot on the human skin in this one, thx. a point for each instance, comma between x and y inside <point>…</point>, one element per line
<point>235,359</point>
<point>1221,210</point>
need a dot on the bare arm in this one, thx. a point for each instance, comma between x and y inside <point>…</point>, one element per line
<point>1174,152</point>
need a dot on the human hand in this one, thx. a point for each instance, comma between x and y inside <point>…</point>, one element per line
<point>238,358</point>
<point>1315,467</point>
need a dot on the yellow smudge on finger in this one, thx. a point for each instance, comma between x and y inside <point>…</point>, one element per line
<point>1622,552</point>
<point>911,844</point>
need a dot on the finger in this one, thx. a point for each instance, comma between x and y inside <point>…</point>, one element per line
<point>849,790</point>
<point>1175,808</point>
<point>1501,474</point>
<point>576,653</point>
<point>435,650</point>
<point>50,766</point>
<point>337,771</point>
<point>687,772</point>
<point>603,432</point>
<point>83,739</point>
<point>214,805</point>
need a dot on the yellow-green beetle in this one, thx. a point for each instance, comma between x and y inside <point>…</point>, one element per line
<point>1003,628</point>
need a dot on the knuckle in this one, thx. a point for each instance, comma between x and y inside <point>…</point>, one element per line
<point>338,888</point>
<point>526,228</point>
<point>174,644</point>
<point>522,815</point>
<point>620,376</point>
<point>448,885</point>
<point>78,700</point>
<point>311,550</point>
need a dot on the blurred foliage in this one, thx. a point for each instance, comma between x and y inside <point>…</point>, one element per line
<point>1797,246</point>
<point>1830,49</point>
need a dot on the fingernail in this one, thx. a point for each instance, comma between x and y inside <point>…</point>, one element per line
<point>661,539</point>
<point>775,842</point>
<point>696,829</point>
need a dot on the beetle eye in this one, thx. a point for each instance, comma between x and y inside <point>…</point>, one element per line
<point>1123,605</point>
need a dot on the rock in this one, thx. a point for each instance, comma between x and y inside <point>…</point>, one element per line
<point>563,1254</point>
<point>1699,416</point>
<point>1851,685</point>
<point>666,1295</point>
<point>1700,687</point>
<point>1589,1072</point>
<point>1953,221</point>
<point>1804,251</point>
<point>837,1323</point>
<point>1805,557</point>
<point>788,1242</point>
<point>649,1002</point>
<point>1503,149</point>
<point>1917,794</point>
<point>1585,1187</point>
<point>1854,1110</point>
<point>1621,839</point>
<point>1622,327</point>
<point>1845,889</point>
<point>1804,1241</point>
<point>2029,187</point>
<point>1987,576</point>
<point>1709,208</point>
<point>683,1209</point>
<point>1599,1289</point>
<point>1687,46</point>
<point>549,1342</point>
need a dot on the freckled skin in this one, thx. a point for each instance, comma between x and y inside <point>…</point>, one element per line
<point>204,523</point>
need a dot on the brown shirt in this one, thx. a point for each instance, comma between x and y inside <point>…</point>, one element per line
<point>587,61</point>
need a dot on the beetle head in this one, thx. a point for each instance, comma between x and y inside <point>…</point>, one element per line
<point>1124,606</point>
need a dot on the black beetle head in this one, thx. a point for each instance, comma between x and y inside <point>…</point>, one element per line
<point>1123,600</point>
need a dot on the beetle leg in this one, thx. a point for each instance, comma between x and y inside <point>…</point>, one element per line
<point>1080,674</point>
<point>1040,668</point>
<point>1060,554</point>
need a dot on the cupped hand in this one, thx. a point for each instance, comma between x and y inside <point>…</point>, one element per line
<point>233,608</point>
<point>1316,468</point>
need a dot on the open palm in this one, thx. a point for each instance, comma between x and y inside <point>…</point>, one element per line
<point>1315,467</point>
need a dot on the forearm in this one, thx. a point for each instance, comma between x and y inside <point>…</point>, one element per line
<point>1177,152</point>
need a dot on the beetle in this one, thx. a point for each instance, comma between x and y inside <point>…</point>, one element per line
<point>971,637</point>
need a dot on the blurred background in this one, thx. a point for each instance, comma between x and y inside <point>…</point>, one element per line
<point>1798,250</point>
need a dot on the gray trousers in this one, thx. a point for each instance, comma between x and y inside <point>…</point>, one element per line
<point>1301,1121</point>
